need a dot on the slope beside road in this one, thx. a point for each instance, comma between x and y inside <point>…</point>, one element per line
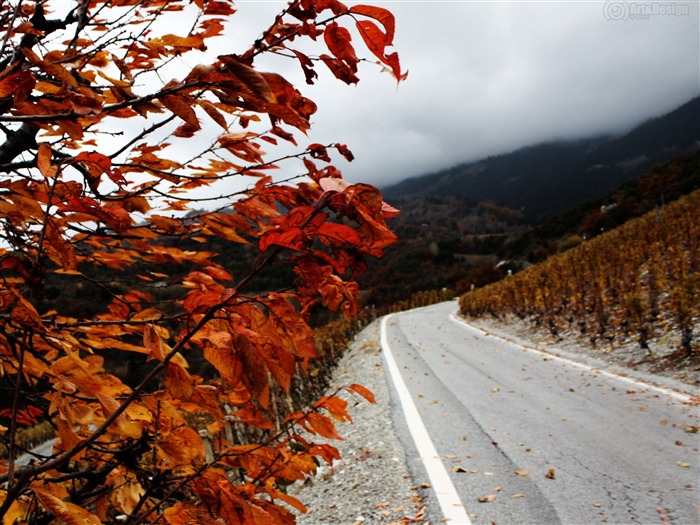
<point>523,437</point>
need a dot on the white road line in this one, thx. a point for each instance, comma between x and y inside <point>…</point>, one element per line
<point>451,506</point>
<point>636,382</point>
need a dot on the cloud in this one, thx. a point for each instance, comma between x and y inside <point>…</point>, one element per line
<point>489,77</point>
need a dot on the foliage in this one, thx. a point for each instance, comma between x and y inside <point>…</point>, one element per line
<point>102,165</point>
<point>641,280</point>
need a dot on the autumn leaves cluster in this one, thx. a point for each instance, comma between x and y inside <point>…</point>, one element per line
<point>108,150</point>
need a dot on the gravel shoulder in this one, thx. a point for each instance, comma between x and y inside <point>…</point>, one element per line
<point>659,366</point>
<point>372,484</point>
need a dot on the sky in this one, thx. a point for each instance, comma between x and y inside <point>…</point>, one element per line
<point>488,77</point>
<point>484,78</point>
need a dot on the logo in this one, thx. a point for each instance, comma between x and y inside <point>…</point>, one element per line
<point>622,11</point>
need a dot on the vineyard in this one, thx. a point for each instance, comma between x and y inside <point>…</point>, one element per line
<point>639,282</point>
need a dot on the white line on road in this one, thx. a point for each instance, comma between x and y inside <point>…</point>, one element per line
<point>636,382</point>
<point>452,509</point>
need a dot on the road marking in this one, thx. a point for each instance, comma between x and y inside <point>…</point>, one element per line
<point>451,506</point>
<point>636,382</point>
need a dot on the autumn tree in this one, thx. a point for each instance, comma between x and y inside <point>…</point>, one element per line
<point>114,147</point>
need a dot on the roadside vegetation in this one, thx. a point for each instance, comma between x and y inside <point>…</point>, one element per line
<point>639,282</point>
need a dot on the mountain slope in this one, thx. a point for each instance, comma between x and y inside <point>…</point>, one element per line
<point>545,179</point>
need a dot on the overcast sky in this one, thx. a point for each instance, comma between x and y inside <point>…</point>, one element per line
<point>487,77</point>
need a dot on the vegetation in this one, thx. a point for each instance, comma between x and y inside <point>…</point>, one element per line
<point>640,281</point>
<point>103,168</point>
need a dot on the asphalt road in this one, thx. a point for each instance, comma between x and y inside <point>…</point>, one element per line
<point>526,438</point>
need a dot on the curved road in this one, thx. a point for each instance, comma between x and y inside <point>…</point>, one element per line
<point>514,436</point>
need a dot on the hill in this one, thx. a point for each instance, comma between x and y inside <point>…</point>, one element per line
<point>660,185</point>
<point>639,282</point>
<point>545,179</point>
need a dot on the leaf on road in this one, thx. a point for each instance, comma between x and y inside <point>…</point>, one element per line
<point>458,469</point>
<point>518,495</point>
<point>521,473</point>
<point>683,464</point>
<point>550,474</point>
<point>487,499</point>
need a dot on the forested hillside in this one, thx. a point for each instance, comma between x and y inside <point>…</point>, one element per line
<point>638,282</point>
<point>546,179</point>
<point>662,184</point>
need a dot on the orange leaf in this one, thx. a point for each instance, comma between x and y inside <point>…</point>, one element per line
<point>154,344</point>
<point>43,161</point>
<point>323,426</point>
<point>364,392</point>
<point>182,107</point>
<point>337,408</point>
<point>213,112</point>
<point>55,70</point>
<point>69,512</point>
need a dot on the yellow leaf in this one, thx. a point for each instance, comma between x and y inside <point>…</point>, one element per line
<point>13,514</point>
<point>683,464</point>
<point>521,473</point>
<point>157,349</point>
<point>69,512</point>
<point>487,499</point>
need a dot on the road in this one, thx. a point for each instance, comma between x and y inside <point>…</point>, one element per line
<point>521,437</point>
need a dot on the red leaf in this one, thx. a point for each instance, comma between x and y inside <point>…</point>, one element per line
<point>97,164</point>
<point>374,38</point>
<point>338,40</point>
<point>384,16</point>
<point>340,69</point>
<point>307,66</point>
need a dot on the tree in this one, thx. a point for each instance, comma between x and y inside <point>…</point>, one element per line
<point>103,165</point>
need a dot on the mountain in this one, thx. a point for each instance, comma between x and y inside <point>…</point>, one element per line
<point>656,188</point>
<point>546,179</point>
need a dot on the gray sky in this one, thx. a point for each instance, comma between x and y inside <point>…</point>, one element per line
<point>487,77</point>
